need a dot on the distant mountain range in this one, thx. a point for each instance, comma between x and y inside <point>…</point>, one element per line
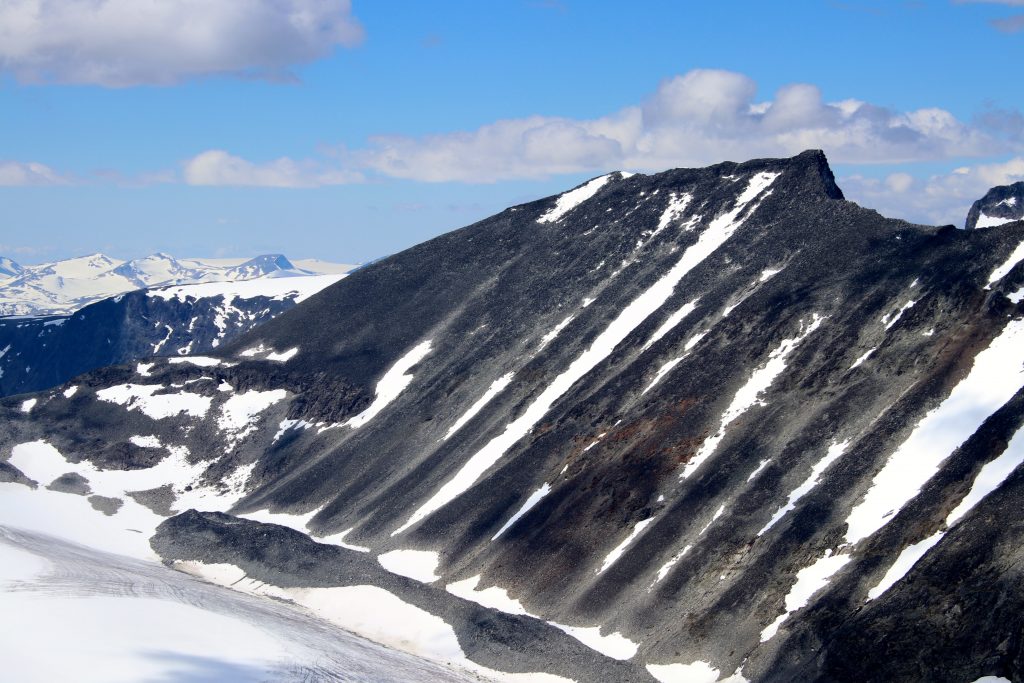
<point>41,352</point>
<point>63,287</point>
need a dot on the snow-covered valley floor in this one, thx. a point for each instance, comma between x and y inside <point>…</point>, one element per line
<point>74,613</point>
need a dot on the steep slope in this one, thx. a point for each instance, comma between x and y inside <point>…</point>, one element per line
<point>39,353</point>
<point>703,424</point>
<point>1000,205</point>
<point>63,287</point>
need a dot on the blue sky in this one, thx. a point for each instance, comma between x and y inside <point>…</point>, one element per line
<point>319,128</point>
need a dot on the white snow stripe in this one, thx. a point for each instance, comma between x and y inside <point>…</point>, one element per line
<point>716,234</point>
<point>550,336</point>
<point>988,479</point>
<point>833,454</point>
<point>673,320</point>
<point>891,319</point>
<point>809,581</point>
<point>1012,260</point>
<point>750,393</point>
<point>662,371</point>
<point>618,550</point>
<point>392,384</point>
<point>534,498</point>
<point>573,198</point>
<point>497,386</point>
<point>863,358</point>
<point>996,375</point>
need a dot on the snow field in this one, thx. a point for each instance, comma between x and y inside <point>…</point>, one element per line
<point>144,398</point>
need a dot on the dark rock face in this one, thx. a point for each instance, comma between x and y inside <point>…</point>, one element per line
<point>1000,205</point>
<point>711,410</point>
<point>40,353</point>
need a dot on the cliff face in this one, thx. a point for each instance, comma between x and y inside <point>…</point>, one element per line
<point>717,414</point>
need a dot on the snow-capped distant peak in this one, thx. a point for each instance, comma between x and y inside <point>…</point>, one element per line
<point>62,287</point>
<point>8,268</point>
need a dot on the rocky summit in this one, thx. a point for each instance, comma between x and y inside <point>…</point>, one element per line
<point>708,424</point>
<point>1000,205</point>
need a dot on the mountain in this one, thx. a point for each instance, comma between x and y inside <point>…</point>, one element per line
<point>708,424</point>
<point>8,268</point>
<point>39,353</point>
<point>1000,205</point>
<point>63,287</point>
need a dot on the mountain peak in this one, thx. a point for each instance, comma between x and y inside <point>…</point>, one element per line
<point>812,166</point>
<point>1001,204</point>
<point>9,268</point>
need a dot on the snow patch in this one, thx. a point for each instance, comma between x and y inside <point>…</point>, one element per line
<point>665,368</point>
<point>698,672</point>
<point>988,479</point>
<point>27,406</point>
<point>667,567</point>
<point>145,441</point>
<point>420,565</point>
<point>986,221</point>
<point>240,413</point>
<point>493,597</point>
<point>339,540</point>
<point>297,522</point>
<point>614,645</point>
<point>809,581</point>
<point>757,470</point>
<point>573,198</point>
<point>201,361</point>
<point>284,356</point>
<point>143,397</point>
<point>891,319</point>
<point>392,384</point>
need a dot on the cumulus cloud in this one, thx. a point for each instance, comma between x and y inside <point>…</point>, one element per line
<point>120,43</point>
<point>218,168</point>
<point>701,117</point>
<point>26,174</point>
<point>939,199</point>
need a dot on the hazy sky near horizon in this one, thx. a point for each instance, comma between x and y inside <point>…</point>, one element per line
<point>347,131</point>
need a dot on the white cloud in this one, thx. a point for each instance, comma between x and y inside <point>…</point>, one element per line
<point>940,199</point>
<point>120,43</point>
<point>24,174</point>
<point>701,117</point>
<point>218,168</point>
